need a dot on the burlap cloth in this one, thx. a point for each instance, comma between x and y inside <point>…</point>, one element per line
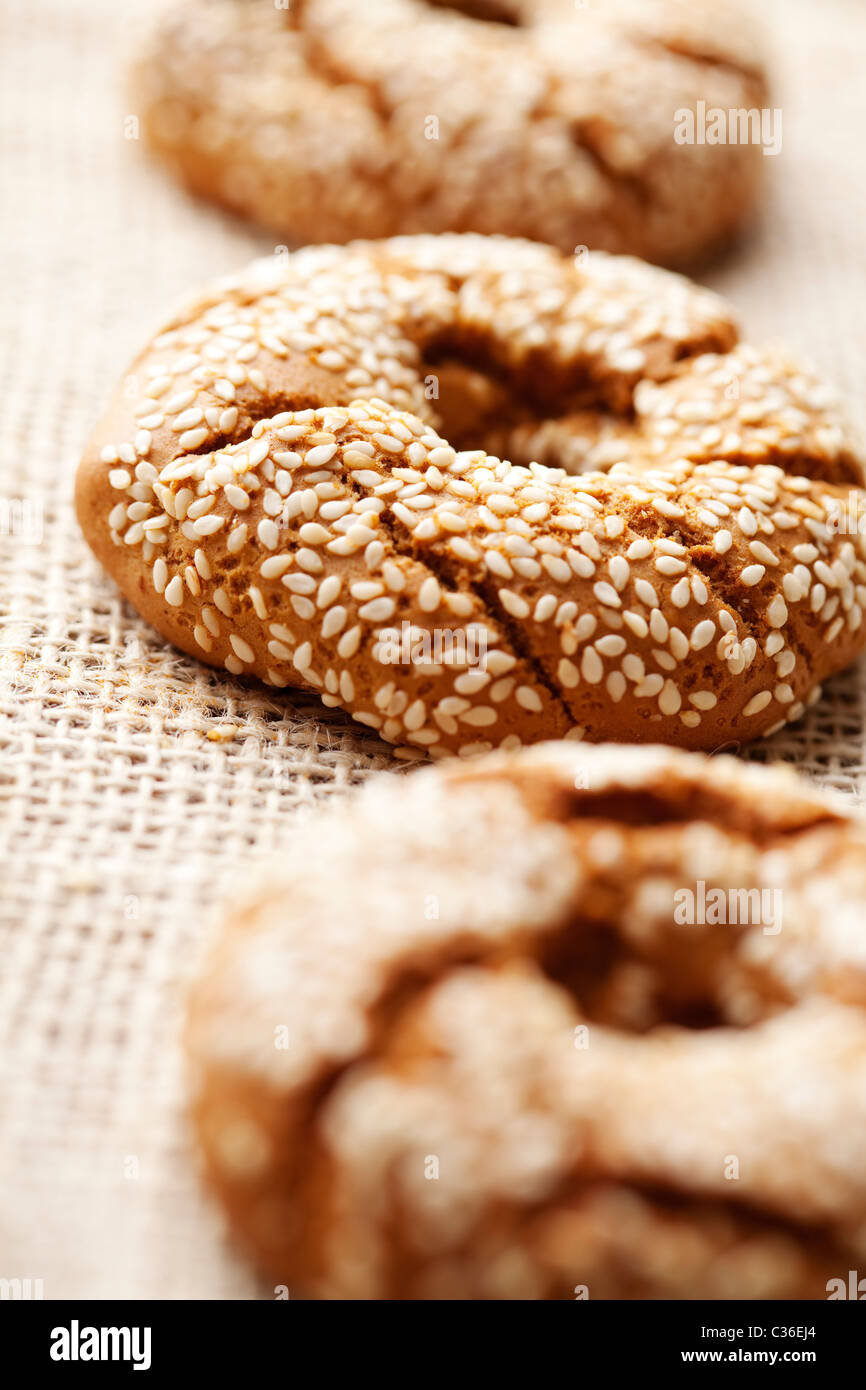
<point>137,787</point>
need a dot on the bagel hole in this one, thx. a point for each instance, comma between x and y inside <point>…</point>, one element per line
<point>485,11</point>
<point>481,404</point>
<point>615,986</point>
<point>679,803</point>
<point>740,1231</point>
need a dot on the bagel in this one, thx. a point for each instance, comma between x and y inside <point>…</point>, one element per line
<point>328,120</point>
<point>463,1044</point>
<point>277,500</point>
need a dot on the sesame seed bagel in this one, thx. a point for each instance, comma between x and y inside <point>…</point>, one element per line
<point>492,1058</point>
<point>284,498</point>
<point>328,120</point>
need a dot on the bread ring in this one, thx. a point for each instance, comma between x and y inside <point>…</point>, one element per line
<point>327,120</point>
<point>271,506</point>
<point>484,1058</point>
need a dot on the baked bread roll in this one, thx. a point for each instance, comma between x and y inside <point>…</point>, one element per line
<point>285,498</point>
<point>466,1043</point>
<point>328,120</point>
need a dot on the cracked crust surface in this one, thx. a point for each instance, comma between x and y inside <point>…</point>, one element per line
<point>284,498</point>
<point>326,120</point>
<point>460,1044</point>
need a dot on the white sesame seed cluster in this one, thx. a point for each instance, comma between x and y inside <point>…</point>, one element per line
<point>441,1072</point>
<point>282,497</point>
<point>744,406</point>
<point>328,120</point>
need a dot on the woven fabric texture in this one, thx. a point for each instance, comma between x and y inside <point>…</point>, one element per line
<point>137,788</point>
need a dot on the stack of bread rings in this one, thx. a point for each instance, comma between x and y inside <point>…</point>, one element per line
<point>477,1035</point>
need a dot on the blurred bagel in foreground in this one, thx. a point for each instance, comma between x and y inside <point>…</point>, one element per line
<point>466,1043</point>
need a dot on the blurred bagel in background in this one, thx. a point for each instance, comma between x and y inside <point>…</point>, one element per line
<point>327,120</point>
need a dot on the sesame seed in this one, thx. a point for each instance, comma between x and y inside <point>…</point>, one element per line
<point>679,644</point>
<point>193,439</point>
<point>777,612</point>
<point>591,667</point>
<point>646,593</point>
<point>757,703</point>
<point>513,603</point>
<point>480,717</point>
<point>211,621</point>
<point>242,649</point>
<point>752,575</point>
<point>639,549</point>
<point>649,687</point>
<point>377,611</point>
<point>322,454</point>
<point>606,594</point>
<point>681,593</point>
<point>669,565</point>
<point>415,715</point>
<point>236,497</point>
<point>636,623</point>
<point>187,418</point>
<point>173,592</point>
<point>312,533</point>
<point>527,698</point>
<point>430,595</point>
<point>670,699</point>
<point>619,572</point>
<point>763,553</point>
<point>568,673</point>
<point>702,634</point>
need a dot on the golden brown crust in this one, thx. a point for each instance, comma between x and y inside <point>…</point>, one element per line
<point>328,120</point>
<point>463,1044</point>
<point>271,505</point>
